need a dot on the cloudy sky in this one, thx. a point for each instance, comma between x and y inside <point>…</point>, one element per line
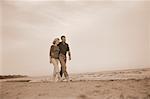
<point>102,35</point>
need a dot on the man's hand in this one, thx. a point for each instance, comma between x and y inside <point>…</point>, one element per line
<point>69,54</point>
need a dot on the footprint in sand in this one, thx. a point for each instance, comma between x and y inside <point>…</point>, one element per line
<point>106,92</point>
<point>147,97</point>
<point>82,96</point>
<point>132,97</point>
<point>122,96</point>
<point>96,92</point>
<point>7,93</point>
<point>19,93</point>
<point>98,86</point>
<point>42,94</point>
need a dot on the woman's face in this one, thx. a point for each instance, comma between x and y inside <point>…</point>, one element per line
<point>57,41</point>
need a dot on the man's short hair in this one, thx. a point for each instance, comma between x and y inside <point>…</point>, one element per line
<point>63,37</point>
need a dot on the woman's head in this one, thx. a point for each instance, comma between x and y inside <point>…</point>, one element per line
<point>56,41</point>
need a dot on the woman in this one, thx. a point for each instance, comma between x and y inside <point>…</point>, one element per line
<point>54,59</point>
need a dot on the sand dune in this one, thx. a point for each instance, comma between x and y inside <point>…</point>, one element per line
<point>126,84</point>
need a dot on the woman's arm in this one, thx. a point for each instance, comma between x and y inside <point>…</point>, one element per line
<point>50,53</point>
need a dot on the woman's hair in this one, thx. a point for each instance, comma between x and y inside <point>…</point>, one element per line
<point>55,40</point>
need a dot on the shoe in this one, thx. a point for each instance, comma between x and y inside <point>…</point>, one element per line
<point>61,79</point>
<point>67,78</point>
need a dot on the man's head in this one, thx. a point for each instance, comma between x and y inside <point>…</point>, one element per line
<point>63,38</point>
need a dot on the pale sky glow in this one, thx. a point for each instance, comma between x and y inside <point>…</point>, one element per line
<point>102,35</point>
<point>0,38</point>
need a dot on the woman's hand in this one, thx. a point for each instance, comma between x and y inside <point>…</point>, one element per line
<point>50,60</point>
<point>69,57</point>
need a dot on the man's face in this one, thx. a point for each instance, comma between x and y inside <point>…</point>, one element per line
<point>63,39</point>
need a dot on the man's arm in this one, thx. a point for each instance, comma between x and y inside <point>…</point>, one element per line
<point>69,54</point>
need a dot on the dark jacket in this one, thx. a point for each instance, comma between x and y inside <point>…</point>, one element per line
<point>54,52</point>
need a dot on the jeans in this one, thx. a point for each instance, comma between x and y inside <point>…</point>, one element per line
<point>62,59</point>
<point>56,74</point>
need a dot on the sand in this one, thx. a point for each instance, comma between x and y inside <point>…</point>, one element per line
<point>127,84</point>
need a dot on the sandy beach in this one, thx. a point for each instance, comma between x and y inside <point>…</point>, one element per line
<point>125,84</point>
<point>103,45</point>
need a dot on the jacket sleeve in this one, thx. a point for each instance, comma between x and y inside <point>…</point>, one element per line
<point>68,49</point>
<point>51,51</point>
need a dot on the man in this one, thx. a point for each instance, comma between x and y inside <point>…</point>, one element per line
<point>64,49</point>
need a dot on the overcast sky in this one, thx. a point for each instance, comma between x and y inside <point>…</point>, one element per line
<point>102,35</point>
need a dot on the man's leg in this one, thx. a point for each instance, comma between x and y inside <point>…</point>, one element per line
<point>61,73</point>
<point>63,65</point>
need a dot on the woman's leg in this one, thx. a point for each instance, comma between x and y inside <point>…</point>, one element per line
<point>57,70</point>
<point>56,74</point>
<point>54,62</point>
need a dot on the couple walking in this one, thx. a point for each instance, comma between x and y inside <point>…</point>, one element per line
<point>57,54</point>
